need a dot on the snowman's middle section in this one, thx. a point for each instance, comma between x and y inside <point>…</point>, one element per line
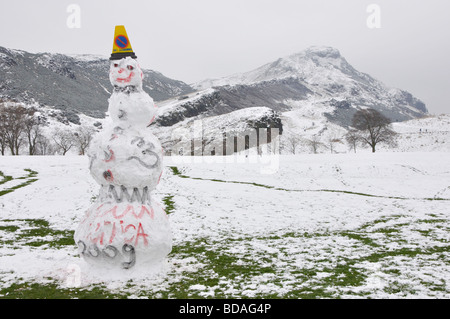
<point>126,158</point>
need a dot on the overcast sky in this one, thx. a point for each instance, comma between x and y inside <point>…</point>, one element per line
<point>191,40</point>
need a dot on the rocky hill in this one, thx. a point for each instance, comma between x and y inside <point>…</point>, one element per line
<point>74,84</point>
<point>311,93</point>
<point>320,78</point>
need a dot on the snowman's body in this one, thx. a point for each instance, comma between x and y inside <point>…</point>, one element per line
<point>125,227</point>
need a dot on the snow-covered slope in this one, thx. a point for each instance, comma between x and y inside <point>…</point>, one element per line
<point>328,80</point>
<point>303,65</point>
<point>428,134</point>
<point>205,135</point>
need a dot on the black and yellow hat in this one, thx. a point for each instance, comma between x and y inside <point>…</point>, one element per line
<point>121,46</point>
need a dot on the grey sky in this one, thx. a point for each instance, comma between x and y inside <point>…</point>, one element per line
<point>191,40</point>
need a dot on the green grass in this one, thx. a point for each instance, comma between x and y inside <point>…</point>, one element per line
<point>223,270</point>
<point>36,233</point>
<point>228,266</point>
<point>5,178</point>
<point>228,274</point>
<point>169,204</point>
<point>30,178</point>
<point>32,290</point>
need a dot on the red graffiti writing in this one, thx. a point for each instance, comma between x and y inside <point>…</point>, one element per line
<point>105,232</point>
<point>128,210</point>
<point>112,224</point>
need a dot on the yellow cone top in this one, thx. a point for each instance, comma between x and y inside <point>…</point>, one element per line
<point>121,45</point>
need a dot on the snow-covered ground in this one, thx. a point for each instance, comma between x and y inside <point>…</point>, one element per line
<point>426,134</point>
<point>323,225</point>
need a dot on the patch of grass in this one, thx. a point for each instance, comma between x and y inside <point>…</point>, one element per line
<point>29,180</point>
<point>399,288</point>
<point>220,269</point>
<point>5,178</point>
<point>388,230</point>
<point>431,221</point>
<point>360,237</point>
<point>344,275</point>
<point>177,172</point>
<point>32,290</point>
<point>406,252</point>
<point>37,232</point>
<point>424,233</point>
<point>223,270</point>
<point>169,204</point>
<point>10,229</point>
<point>309,293</point>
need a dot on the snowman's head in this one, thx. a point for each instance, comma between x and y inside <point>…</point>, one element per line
<point>126,72</point>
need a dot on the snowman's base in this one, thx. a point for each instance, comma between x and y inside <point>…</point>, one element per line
<point>124,235</point>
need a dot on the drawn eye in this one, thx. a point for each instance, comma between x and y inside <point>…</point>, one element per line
<point>130,67</point>
<point>116,65</point>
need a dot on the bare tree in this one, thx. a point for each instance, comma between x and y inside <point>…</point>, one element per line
<point>314,142</point>
<point>331,141</point>
<point>33,131</point>
<point>64,140</point>
<point>44,146</point>
<point>13,118</point>
<point>373,128</point>
<point>82,138</point>
<point>352,138</point>
<point>3,142</point>
<point>292,143</point>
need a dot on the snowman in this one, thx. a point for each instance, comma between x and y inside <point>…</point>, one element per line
<point>125,227</point>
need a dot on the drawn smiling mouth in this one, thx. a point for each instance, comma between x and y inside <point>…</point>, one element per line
<point>126,80</point>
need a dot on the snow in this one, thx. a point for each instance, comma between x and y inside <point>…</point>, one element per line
<point>317,65</point>
<point>428,134</point>
<point>88,57</point>
<point>326,73</point>
<point>172,104</point>
<point>326,215</point>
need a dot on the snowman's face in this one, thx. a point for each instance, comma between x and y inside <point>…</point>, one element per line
<point>125,72</point>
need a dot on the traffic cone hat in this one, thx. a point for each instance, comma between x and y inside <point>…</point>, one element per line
<point>122,45</point>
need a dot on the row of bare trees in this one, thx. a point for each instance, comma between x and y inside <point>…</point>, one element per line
<point>369,128</point>
<point>314,143</point>
<point>18,125</point>
<point>21,130</point>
